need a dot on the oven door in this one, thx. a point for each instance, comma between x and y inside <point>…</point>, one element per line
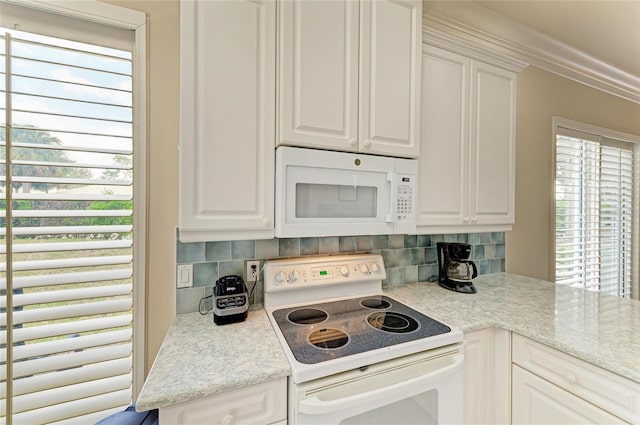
<point>425,388</point>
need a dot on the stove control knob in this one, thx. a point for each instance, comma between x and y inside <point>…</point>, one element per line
<point>364,269</point>
<point>375,268</point>
<point>344,271</point>
<point>293,276</point>
<point>279,277</point>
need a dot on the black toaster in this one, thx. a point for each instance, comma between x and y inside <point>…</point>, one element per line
<point>230,300</point>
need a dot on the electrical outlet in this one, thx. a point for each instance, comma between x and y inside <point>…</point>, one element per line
<point>252,270</point>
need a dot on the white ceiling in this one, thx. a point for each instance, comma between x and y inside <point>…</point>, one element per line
<point>608,30</point>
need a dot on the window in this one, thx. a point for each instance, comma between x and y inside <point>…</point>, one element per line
<point>69,220</point>
<point>594,209</point>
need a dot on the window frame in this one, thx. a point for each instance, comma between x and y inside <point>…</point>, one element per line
<point>601,132</point>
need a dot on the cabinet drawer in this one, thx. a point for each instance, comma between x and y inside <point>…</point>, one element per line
<point>602,388</point>
<point>264,403</point>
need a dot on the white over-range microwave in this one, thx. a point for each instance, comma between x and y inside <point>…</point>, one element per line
<point>323,193</point>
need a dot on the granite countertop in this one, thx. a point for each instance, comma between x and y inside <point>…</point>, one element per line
<point>199,359</point>
<point>601,329</point>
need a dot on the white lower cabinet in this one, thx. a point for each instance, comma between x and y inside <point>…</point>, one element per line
<point>260,404</point>
<point>551,387</point>
<point>536,401</point>
<point>487,366</point>
<point>511,379</point>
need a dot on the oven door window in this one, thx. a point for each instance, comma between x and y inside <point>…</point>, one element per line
<point>335,201</point>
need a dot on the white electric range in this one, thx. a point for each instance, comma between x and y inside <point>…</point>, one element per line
<point>354,350</point>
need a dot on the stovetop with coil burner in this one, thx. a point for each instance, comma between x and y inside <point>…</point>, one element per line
<point>321,332</point>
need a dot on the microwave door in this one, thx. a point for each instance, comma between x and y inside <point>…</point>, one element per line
<point>321,201</point>
<point>337,195</point>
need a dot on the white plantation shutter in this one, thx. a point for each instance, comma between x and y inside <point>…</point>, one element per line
<point>70,114</point>
<point>616,212</point>
<point>594,212</point>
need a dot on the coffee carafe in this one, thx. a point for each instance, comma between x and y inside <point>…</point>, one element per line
<point>455,270</point>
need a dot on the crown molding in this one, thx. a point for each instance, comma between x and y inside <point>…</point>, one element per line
<point>95,11</point>
<point>475,30</point>
<point>472,48</point>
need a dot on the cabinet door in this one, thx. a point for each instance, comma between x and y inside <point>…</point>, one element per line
<point>318,75</point>
<point>487,378</point>
<point>536,401</point>
<point>492,144</point>
<point>227,119</point>
<point>443,165</point>
<point>390,77</point>
<point>476,378</point>
<point>609,391</point>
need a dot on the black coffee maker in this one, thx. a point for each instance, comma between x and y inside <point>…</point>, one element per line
<point>455,270</point>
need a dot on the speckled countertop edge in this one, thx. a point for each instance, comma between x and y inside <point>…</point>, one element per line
<point>198,359</point>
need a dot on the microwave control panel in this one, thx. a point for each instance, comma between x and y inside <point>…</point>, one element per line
<point>405,204</point>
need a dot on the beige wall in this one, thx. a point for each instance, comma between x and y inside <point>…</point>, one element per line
<point>542,95</point>
<point>163,52</point>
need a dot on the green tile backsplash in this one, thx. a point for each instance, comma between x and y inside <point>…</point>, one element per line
<point>407,258</point>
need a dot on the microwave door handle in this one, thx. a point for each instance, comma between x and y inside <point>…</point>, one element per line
<point>389,218</point>
<point>397,391</point>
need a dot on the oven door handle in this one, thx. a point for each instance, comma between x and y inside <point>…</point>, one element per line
<point>400,390</point>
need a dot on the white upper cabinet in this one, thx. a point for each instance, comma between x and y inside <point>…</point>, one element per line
<point>318,103</point>
<point>444,164</point>
<point>492,136</point>
<point>227,119</point>
<point>390,51</point>
<point>349,75</point>
<point>467,165</point>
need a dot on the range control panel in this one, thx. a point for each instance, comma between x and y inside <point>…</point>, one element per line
<point>306,272</point>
